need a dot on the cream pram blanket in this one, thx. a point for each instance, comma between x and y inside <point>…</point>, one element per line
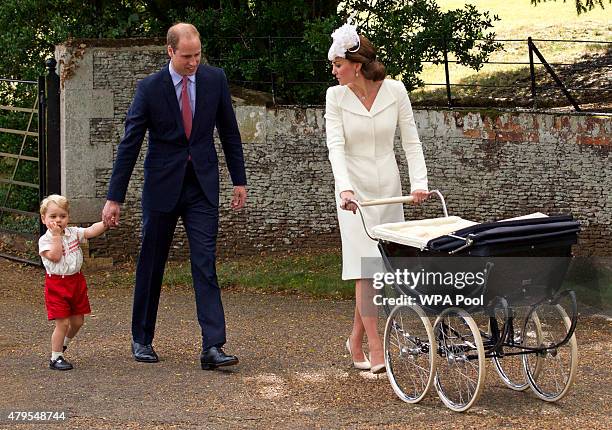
<point>418,232</point>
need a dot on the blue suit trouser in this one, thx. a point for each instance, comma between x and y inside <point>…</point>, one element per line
<point>201,221</point>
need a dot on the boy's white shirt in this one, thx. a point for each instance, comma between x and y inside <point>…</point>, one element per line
<point>72,256</point>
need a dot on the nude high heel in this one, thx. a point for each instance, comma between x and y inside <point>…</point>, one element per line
<point>361,365</point>
<point>379,368</point>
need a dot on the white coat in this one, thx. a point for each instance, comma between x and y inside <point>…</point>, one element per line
<point>360,144</point>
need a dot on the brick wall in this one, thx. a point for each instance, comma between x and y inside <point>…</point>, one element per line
<point>489,164</point>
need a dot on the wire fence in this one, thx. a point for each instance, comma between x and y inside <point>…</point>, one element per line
<point>523,73</point>
<point>559,82</point>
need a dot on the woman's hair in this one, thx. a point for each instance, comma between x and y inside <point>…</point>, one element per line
<point>61,201</point>
<point>366,55</point>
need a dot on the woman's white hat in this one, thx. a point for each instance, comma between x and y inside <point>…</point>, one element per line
<point>344,38</point>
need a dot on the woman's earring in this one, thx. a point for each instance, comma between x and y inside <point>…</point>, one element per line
<point>356,74</point>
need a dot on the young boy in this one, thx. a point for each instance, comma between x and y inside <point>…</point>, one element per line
<point>65,288</point>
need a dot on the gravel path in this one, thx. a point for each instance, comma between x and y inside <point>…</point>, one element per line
<point>294,372</point>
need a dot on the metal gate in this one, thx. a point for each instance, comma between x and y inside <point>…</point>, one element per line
<point>29,160</point>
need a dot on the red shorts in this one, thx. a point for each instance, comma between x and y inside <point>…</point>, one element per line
<point>66,296</point>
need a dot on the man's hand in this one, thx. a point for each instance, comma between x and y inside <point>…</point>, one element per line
<point>110,214</point>
<point>239,199</point>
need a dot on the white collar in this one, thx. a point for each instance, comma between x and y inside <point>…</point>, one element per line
<point>177,77</point>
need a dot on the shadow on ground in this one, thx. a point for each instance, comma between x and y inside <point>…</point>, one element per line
<point>293,373</point>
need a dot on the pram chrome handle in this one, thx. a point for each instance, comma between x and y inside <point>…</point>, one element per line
<point>389,201</point>
<point>402,199</point>
<point>392,200</point>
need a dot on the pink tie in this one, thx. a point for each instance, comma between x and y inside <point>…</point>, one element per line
<point>186,108</point>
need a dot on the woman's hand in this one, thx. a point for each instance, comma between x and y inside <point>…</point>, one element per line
<point>419,196</point>
<point>345,197</point>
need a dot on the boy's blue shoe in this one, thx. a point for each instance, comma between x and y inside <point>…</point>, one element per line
<point>60,364</point>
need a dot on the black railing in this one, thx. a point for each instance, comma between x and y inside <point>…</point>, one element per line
<point>532,49</point>
<point>52,175</point>
<point>269,81</point>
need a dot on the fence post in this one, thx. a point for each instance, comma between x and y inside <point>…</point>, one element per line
<point>557,80</point>
<point>53,166</point>
<point>42,147</point>
<point>532,73</point>
<point>272,74</point>
<point>447,74</point>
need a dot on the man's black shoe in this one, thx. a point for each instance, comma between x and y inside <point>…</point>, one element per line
<point>214,357</point>
<point>60,363</point>
<point>144,353</point>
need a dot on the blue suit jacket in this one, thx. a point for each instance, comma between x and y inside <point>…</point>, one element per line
<point>155,108</point>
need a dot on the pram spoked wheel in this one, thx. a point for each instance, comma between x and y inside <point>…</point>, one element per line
<point>551,371</point>
<point>510,368</point>
<point>460,366</point>
<point>409,352</point>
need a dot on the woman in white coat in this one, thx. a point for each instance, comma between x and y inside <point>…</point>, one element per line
<point>361,117</point>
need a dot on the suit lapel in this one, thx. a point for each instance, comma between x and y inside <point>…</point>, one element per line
<point>200,98</point>
<point>171,98</point>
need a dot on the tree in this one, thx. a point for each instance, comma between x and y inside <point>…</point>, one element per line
<point>243,36</point>
<point>581,5</point>
<point>267,43</point>
<point>408,32</point>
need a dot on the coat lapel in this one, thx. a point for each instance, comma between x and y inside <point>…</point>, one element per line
<point>383,100</point>
<point>171,98</point>
<point>351,103</point>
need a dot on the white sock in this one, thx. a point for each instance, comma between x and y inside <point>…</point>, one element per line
<point>67,341</point>
<point>56,355</point>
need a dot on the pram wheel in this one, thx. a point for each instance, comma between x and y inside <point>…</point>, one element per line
<point>550,372</point>
<point>460,368</point>
<point>409,352</point>
<point>510,367</point>
<point>389,291</point>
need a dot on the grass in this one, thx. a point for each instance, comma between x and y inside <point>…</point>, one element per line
<point>519,20</point>
<point>521,13</point>
<point>314,274</point>
<point>591,279</point>
<point>318,275</point>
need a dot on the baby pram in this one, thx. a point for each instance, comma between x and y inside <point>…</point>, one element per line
<point>516,316</point>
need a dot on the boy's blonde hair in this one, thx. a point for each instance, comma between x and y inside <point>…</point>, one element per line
<point>61,201</point>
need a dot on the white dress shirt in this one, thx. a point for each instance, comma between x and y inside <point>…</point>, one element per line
<point>177,81</point>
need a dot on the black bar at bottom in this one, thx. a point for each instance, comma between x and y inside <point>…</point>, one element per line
<point>21,260</point>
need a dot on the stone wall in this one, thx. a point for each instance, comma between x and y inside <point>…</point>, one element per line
<point>488,164</point>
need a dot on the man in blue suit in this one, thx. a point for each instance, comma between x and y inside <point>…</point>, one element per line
<point>180,106</point>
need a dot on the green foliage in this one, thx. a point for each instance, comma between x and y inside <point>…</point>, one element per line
<point>261,41</point>
<point>582,6</point>
<point>409,32</point>
<point>268,41</point>
<point>247,38</point>
<point>29,29</point>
